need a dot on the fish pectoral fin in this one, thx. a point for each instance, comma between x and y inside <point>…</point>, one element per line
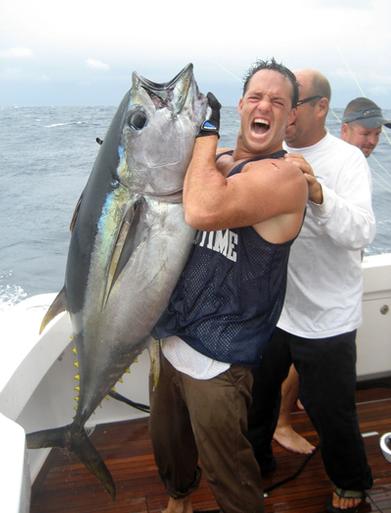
<point>133,231</point>
<point>59,305</point>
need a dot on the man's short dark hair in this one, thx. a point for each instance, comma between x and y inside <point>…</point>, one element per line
<point>272,65</point>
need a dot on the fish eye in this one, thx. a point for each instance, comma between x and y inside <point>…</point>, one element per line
<point>137,119</point>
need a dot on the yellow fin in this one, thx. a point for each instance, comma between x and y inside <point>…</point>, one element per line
<point>59,305</point>
<point>154,354</point>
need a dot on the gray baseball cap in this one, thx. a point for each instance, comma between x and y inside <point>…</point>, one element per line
<point>366,113</point>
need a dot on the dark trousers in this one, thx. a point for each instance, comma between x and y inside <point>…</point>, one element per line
<point>206,420</point>
<point>327,375</point>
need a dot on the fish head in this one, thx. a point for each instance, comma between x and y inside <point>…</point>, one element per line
<point>158,133</point>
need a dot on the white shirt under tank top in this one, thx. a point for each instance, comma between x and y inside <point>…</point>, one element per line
<point>189,361</point>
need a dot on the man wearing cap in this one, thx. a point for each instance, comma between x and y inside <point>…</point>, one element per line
<point>362,124</point>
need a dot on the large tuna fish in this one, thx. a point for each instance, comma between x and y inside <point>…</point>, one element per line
<point>129,244</point>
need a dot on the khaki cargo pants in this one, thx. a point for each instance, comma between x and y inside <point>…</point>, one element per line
<point>205,421</point>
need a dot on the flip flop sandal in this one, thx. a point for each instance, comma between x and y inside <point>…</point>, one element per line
<point>347,494</point>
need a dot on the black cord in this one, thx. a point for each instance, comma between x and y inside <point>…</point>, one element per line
<point>294,475</point>
<point>373,502</point>
<point>129,402</point>
<point>146,409</point>
<point>267,490</point>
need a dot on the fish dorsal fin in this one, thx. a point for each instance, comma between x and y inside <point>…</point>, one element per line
<point>75,213</point>
<point>59,305</point>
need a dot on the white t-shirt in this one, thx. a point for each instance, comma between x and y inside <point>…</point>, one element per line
<point>325,283</point>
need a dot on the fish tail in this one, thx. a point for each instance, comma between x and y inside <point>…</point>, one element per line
<point>55,437</point>
<point>77,441</point>
<point>86,452</point>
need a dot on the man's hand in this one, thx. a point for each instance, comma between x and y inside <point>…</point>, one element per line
<point>315,193</point>
<point>211,125</point>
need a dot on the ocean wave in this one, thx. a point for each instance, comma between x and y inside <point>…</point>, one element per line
<point>47,153</point>
<point>11,295</point>
<point>69,123</point>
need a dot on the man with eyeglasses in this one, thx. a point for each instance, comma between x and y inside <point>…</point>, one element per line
<point>322,311</point>
<point>362,124</point>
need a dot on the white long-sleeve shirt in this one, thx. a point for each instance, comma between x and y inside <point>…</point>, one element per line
<point>325,283</point>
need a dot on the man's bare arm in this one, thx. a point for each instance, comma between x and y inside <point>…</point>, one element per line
<point>263,190</point>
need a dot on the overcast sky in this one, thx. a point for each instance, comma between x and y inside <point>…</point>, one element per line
<point>82,52</point>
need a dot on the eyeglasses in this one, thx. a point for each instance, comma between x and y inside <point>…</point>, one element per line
<point>308,99</point>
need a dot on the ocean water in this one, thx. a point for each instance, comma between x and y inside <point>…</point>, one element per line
<point>46,156</point>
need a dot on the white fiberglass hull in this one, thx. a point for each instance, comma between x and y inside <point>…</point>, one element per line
<point>36,379</point>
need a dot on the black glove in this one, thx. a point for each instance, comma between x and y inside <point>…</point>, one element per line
<point>211,125</point>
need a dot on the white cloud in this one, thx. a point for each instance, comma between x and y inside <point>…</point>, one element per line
<point>16,53</point>
<point>16,73</point>
<point>13,73</point>
<point>97,64</point>
<point>157,42</point>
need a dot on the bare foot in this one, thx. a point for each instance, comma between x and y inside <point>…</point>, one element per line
<point>179,506</point>
<point>345,502</point>
<point>287,437</point>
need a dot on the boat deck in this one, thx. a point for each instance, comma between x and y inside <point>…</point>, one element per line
<point>64,485</point>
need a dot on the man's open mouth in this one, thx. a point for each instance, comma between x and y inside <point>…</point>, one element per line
<point>260,125</point>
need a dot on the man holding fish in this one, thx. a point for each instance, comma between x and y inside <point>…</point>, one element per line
<point>248,206</point>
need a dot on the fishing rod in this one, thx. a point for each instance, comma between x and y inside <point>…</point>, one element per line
<point>385,184</point>
<point>354,77</point>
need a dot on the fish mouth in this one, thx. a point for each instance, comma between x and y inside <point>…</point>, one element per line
<point>172,94</point>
